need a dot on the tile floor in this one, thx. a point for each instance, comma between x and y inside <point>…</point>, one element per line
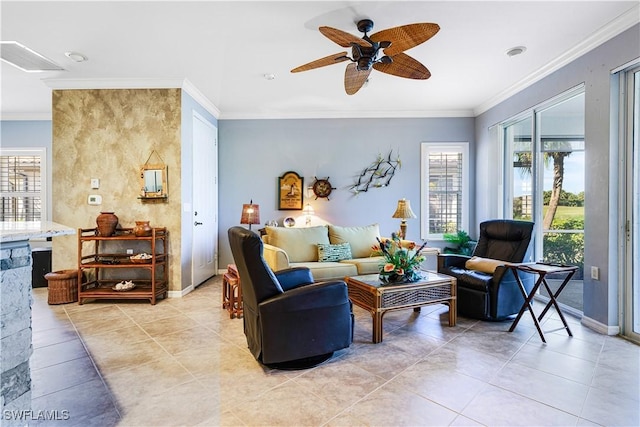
<point>184,362</point>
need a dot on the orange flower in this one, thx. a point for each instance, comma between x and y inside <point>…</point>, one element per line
<point>400,271</point>
<point>388,268</point>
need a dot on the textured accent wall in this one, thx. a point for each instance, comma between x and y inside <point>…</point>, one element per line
<point>108,134</point>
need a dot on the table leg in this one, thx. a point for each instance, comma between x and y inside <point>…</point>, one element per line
<point>554,302</point>
<point>377,327</point>
<point>527,304</point>
<point>453,312</point>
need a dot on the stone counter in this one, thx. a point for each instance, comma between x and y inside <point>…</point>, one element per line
<point>15,310</point>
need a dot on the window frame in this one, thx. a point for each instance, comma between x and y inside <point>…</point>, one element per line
<point>34,152</point>
<point>427,148</point>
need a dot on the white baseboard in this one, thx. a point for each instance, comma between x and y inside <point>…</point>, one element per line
<point>180,294</point>
<point>600,327</point>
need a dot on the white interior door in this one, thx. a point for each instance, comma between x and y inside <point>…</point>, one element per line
<point>205,200</point>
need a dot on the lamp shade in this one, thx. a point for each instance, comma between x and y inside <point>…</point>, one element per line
<point>250,214</point>
<point>403,210</point>
<point>308,210</point>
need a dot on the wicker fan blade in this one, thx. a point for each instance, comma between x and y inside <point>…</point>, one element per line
<point>322,62</point>
<point>354,79</point>
<point>405,37</point>
<point>404,66</point>
<point>342,38</point>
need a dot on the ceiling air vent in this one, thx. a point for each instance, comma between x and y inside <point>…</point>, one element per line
<point>26,59</point>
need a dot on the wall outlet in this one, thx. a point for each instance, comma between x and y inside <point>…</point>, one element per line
<point>595,273</point>
<point>129,251</point>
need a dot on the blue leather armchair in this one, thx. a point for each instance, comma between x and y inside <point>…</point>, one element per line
<point>492,296</point>
<point>290,322</point>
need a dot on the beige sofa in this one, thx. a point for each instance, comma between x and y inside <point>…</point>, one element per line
<point>323,249</point>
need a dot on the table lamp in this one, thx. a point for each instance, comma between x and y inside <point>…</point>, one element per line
<point>309,212</point>
<point>250,214</point>
<point>403,211</point>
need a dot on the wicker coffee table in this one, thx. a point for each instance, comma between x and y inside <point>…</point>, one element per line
<point>369,293</point>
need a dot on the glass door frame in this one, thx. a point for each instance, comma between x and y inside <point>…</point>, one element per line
<point>629,187</point>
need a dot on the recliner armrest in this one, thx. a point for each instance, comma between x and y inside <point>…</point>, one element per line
<point>294,277</point>
<point>313,296</point>
<point>451,260</point>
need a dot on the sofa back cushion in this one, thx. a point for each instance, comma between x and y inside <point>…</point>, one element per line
<point>300,244</point>
<point>361,239</point>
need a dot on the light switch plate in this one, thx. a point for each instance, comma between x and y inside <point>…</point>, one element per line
<point>94,199</point>
<point>95,183</point>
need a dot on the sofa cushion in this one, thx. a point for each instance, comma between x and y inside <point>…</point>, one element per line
<point>361,239</point>
<point>300,244</point>
<point>328,270</point>
<point>329,252</point>
<point>369,265</point>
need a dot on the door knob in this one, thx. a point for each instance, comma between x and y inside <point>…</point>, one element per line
<point>197,223</point>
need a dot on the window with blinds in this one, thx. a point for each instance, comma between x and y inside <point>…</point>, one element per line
<point>21,187</point>
<point>445,189</point>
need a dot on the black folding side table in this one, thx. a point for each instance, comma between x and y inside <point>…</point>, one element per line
<point>542,270</point>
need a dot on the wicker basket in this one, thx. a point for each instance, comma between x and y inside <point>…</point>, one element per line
<point>63,286</point>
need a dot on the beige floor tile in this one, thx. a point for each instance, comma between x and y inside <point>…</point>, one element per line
<point>168,325</point>
<point>497,407</point>
<point>195,337</point>
<point>135,385</point>
<point>272,409</point>
<point>423,373</point>
<point>339,382</point>
<point>393,405</point>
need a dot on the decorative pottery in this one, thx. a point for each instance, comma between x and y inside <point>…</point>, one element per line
<point>142,229</point>
<point>107,223</point>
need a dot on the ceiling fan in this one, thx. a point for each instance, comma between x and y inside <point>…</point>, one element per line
<point>365,52</point>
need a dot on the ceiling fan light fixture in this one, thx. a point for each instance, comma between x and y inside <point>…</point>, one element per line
<point>515,51</point>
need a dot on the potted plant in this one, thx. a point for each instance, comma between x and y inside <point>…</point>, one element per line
<point>464,244</point>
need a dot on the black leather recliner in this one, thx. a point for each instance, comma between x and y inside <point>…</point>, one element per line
<point>492,296</point>
<point>290,322</point>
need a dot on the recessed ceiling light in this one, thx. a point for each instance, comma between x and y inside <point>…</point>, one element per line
<point>514,51</point>
<point>269,76</point>
<point>75,56</point>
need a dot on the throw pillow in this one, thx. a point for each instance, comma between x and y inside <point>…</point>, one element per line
<point>333,253</point>
<point>361,239</point>
<point>484,265</point>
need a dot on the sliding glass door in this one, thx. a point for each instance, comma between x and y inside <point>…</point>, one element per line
<point>544,161</point>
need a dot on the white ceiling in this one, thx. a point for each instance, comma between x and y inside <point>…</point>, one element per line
<point>224,49</point>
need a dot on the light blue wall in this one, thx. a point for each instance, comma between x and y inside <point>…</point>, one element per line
<point>30,134</point>
<point>594,70</point>
<point>254,153</point>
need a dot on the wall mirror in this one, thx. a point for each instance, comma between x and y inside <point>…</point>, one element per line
<point>153,181</point>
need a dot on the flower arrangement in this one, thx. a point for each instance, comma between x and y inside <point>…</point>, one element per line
<point>401,264</point>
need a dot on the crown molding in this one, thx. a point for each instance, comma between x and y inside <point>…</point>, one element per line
<point>28,116</point>
<point>604,34</point>
<point>348,115</point>
<point>184,84</point>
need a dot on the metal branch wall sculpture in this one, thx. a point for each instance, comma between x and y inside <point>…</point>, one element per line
<point>377,175</point>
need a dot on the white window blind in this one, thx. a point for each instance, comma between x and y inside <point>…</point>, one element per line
<point>21,186</point>
<point>445,189</point>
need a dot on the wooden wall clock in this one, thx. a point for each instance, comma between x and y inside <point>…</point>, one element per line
<point>322,188</point>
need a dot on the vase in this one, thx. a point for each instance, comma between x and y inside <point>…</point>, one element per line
<point>409,277</point>
<point>142,229</point>
<point>107,223</point>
